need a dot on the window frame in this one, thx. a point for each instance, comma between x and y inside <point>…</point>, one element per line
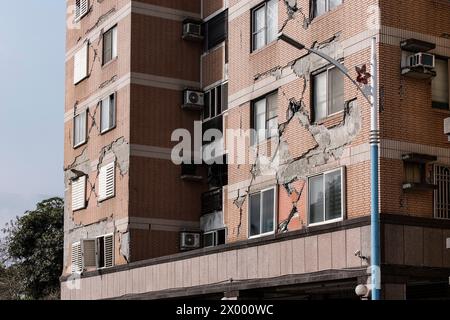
<point>114,124</point>
<point>223,101</point>
<point>264,5</point>
<point>440,105</point>
<point>315,74</point>
<point>210,46</point>
<point>275,213</point>
<point>255,139</point>
<point>343,197</point>
<point>84,141</point>
<point>114,45</point>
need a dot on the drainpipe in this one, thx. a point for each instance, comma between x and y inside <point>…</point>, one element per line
<point>374,183</point>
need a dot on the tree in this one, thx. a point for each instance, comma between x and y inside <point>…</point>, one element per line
<point>32,249</point>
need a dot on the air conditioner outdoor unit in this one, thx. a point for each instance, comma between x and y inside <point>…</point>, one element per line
<point>189,241</point>
<point>424,60</point>
<point>192,31</point>
<point>193,99</point>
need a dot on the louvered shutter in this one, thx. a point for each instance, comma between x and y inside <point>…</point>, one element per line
<point>89,254</point>
<point>77,263</point>
<point>107,181</point>
<point>81,8</point>
<point>109,251</point>
<point>80,67</point>
<point>79,193</point>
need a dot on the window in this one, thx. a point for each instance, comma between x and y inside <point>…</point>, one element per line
<point>262,213</point>
<point>216,101</point>
<point>264,24</point>
<point>328,93</point>
<point>105,252</point>
<point>108,113</point>
<point>79,129</point>
<point>442,193</point>
<point>93,253</point>
<point>107,182</point>
<point>326,197</point>
<point>81,9</point>
<point>265,118</point>
<point>109,45</point>
<point>79,193</point>
<point>440,85</point>
<point>322,6</point>
<point>83,255</point>
<point>214,238</point>
<point>216,30</point>
<point>80,64</point>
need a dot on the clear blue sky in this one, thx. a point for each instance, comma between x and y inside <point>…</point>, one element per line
<point>32,45</point>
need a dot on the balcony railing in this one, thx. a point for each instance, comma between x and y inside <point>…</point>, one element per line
<point>212,201</point>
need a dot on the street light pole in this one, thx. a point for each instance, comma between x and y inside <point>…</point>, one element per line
<point>374,151</point>
<point>374,156</point>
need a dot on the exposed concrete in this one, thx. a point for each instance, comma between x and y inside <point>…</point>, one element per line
<point>119,152</point>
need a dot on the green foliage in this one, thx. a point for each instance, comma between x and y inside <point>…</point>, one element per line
<point>33,249</point>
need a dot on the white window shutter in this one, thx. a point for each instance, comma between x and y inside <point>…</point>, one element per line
<point>81,8</point>
<point>89,254</point>
<point>79,194</point>
<point>107,178</point>
<point>77,264</point>
<point>109,251</point>
<point>81,65</point>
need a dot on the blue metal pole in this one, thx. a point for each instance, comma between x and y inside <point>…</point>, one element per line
<point>374,152</point>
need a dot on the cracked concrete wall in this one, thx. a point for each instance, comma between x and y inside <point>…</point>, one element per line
<point>98,218</point>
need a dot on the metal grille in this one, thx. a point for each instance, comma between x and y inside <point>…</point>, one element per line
<point>442,193</point>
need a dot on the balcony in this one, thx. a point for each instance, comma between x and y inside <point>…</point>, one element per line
<point>212,201</point>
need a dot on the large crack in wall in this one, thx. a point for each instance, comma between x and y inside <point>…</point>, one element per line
<point>330,142</point>
<point>119,152</point>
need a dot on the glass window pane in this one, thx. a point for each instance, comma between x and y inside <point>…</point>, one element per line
<point>260,120</point>
<point>272,20</point>
<point>105,114</point>
<point>333,195</point>
<point>114,42</point>
<point>107,46</point>
<point>320,96</point>
<point>268,211</point>
<point>112,110</point>
<point>334,3</point>
<point>259,28</point>
<point>80,129</point>
<point>255,214</point>
<point>336,90</point>
<point>320,7</point>
<point>440,84</point>
<point>207,106</point>
<point>316,200</point>
<point>225,97</point>
<point>259,40</point>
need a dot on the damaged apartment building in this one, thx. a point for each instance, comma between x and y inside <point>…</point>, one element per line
<point>296,225</point>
